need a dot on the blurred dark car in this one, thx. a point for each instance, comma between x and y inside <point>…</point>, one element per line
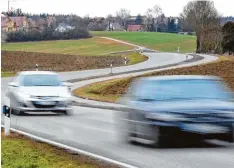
<point>168,107</point>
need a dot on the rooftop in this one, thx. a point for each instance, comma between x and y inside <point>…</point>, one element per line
<point>19,20</point>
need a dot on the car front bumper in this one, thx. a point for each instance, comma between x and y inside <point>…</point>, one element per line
<point>54,105</point>
<point>211,130</point>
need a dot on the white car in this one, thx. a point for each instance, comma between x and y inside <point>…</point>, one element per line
<point>39,91</point>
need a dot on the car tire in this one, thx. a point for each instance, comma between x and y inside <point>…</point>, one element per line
<point>157,138</point>
<point>231,136</point>
<point>68,112</point>
<point>130,133</point>
<point>129,138</point>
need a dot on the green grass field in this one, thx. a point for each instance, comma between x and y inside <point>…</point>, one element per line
<point>7,74</point>
<point>159,41</point>
<point>22,152</point>
<point>89,47</point>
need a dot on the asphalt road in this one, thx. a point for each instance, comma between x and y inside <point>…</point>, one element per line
<point>154,60</point>
<point>97,130</point>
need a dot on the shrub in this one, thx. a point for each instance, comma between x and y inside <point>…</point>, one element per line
<point>47,34</point>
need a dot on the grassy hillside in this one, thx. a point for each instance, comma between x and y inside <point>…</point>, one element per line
<point>88,47</point>
<point>159,41</point>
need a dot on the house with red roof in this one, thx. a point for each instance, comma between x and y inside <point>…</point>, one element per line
<point>11,24</point>
<point>22,23</point>
<point>135,28</point>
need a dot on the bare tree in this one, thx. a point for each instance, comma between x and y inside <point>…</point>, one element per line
<point>212,38</point>
<point>149,16</point>
<point>110,18</point>
<point>124,14</point>
<point>200,16</point>
<point>153,14</point>
<point>157,11</point>
<point>228,38</point>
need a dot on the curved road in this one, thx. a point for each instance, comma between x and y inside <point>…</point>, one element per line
<point>97,130</point>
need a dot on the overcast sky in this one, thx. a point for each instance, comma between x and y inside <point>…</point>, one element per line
<point>105,7</point>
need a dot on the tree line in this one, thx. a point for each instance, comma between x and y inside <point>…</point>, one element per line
<point>204,19</point>
<point>50,32</point>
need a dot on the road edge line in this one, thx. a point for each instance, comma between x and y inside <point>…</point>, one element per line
<point>60,145</point>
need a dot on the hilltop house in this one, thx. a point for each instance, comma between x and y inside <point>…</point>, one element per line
<point>114,26</point>
<point>22,23</point>
<point>11,24</point>
<point>135,28</point>
<point>40,22</point>
<point>137,23</point>
<point>63,27</point>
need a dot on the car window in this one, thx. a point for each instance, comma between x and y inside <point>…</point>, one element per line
<point>182,89</point>
<point>40,80</point>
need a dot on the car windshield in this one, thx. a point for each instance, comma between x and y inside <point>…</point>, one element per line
<point>182,89</point>
<point>40,80</point>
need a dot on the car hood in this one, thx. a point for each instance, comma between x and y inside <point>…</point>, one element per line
<point>60,91</point>
<point>185,106</point>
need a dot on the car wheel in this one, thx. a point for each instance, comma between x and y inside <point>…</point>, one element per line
<point>158,139</point>
<point>129,137</point>
<point>68,112</point>
<point>130,132</point>
<point>231,136</point>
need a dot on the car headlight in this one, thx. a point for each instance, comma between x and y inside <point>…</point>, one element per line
<point>165,117</point>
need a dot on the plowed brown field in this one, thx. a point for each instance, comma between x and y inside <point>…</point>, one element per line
<point>14,61</point>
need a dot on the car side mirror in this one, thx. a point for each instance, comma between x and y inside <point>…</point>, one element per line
<point>13,84</point>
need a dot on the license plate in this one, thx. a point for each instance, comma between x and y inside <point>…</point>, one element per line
<point>204,128</point>
<point>45,102</point>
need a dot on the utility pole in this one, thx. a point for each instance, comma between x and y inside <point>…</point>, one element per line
<point>8,5</point>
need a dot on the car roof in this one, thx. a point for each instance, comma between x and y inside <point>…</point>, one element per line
<point>182,77</point>
<point>37,73</point>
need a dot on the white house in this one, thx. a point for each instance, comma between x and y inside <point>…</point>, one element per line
<point>62,27</point>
